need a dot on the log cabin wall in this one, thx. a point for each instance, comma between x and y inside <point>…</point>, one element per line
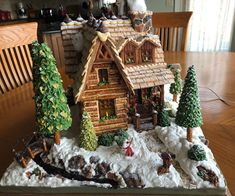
<point>115,90</point>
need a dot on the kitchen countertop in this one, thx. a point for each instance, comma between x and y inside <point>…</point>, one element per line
<point>53,27</point>
<point>47,28</point>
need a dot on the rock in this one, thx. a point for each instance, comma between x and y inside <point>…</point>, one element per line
<point>77,162</point>
<point>46,159</point>
<point>116,177</point>
<point>87,171</point>
<point>167,162</point>
<point>162,170</point>
<point>133,180</point>
<point>204,140</point>
<point>102,168</point>
<point>61,163</point>
<point>94,159</point>
<point>208,175</point>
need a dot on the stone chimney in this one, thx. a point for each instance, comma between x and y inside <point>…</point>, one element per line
<point>141,21</point>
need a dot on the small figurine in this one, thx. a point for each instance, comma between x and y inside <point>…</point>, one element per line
<point>127,148</point>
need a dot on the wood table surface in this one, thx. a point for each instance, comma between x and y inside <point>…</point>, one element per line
<point>215,71</point>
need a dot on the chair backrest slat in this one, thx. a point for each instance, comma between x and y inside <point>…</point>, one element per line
<point>172,29</point>
<point>15,57</point>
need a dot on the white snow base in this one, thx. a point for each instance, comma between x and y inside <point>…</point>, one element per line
<point>145,162</point>
<point>174,138</point>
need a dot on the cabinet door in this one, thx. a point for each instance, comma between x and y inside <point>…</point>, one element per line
<point>54,41</point>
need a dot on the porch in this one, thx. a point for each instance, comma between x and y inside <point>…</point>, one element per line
<point>144,104</point>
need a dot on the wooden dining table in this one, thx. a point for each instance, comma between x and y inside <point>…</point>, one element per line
<point>216,82</point>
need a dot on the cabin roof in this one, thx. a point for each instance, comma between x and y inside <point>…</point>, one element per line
<point>149,75</point>
<point>88,59</point>
<point>118,34</point>
<point>135,76</point>
<point>120,29</point>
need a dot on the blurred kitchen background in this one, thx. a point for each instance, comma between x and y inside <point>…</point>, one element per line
<point>213,21</point>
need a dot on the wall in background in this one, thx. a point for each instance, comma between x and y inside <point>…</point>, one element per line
<point>10,5</point>
<point>153,5</point>
<point>233,36</point>
<point>160,5</point>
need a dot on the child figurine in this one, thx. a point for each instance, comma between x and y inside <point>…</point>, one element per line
<point>127,148</point>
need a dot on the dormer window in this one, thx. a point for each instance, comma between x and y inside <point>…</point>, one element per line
<point>103,77</point>
<point>147,52</point>
<point>129,58</point>
<point>129,54</point>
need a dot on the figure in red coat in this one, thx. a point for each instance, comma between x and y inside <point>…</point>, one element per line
<point>127,148</point>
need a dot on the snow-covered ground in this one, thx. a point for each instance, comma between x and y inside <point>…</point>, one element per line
<point>174,138</point>
<point>147,146</point>
<point>145,162</point>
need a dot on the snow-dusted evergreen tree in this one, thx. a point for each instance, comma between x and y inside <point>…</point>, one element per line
<point>52,111</point>
<point>163,118</point>
<point>176,87</point>
<point>87,137</point>
<point>189,112</point>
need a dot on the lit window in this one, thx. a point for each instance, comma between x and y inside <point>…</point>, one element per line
<point>107,109</point>
<point>103,77</point>
<point>147,52</point>
<point>130,54</point>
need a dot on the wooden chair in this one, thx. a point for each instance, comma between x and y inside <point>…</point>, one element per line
<point>172,29</point>
<point>15,57</point>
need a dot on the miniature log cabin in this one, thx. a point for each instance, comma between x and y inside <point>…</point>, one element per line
<point>120,69</point>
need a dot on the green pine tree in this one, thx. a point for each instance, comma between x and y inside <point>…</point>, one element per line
<point>52,112</point>
<point>163,118</point>
<point>189,112</point>
<point>176,87</point>
<point>87,137</point>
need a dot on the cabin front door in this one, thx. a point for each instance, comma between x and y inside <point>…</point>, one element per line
<point>143,102</point>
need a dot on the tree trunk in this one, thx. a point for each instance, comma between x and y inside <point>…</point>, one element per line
<point>57,137</point>
<point>174,97</point>
<point>189,134</point>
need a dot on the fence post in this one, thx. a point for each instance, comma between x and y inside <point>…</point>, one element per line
<point>30,152</point>
<point>137,121</point>
<point>44,145</point>
<point>154,116</point>
<point>23,162</point>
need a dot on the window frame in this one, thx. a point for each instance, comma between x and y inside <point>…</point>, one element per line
<point>104,114</point>
<point>100,81</point>
<point>147,46</point>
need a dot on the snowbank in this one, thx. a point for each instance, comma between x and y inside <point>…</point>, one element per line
<point>174,138</point>
<point>145,163</point>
